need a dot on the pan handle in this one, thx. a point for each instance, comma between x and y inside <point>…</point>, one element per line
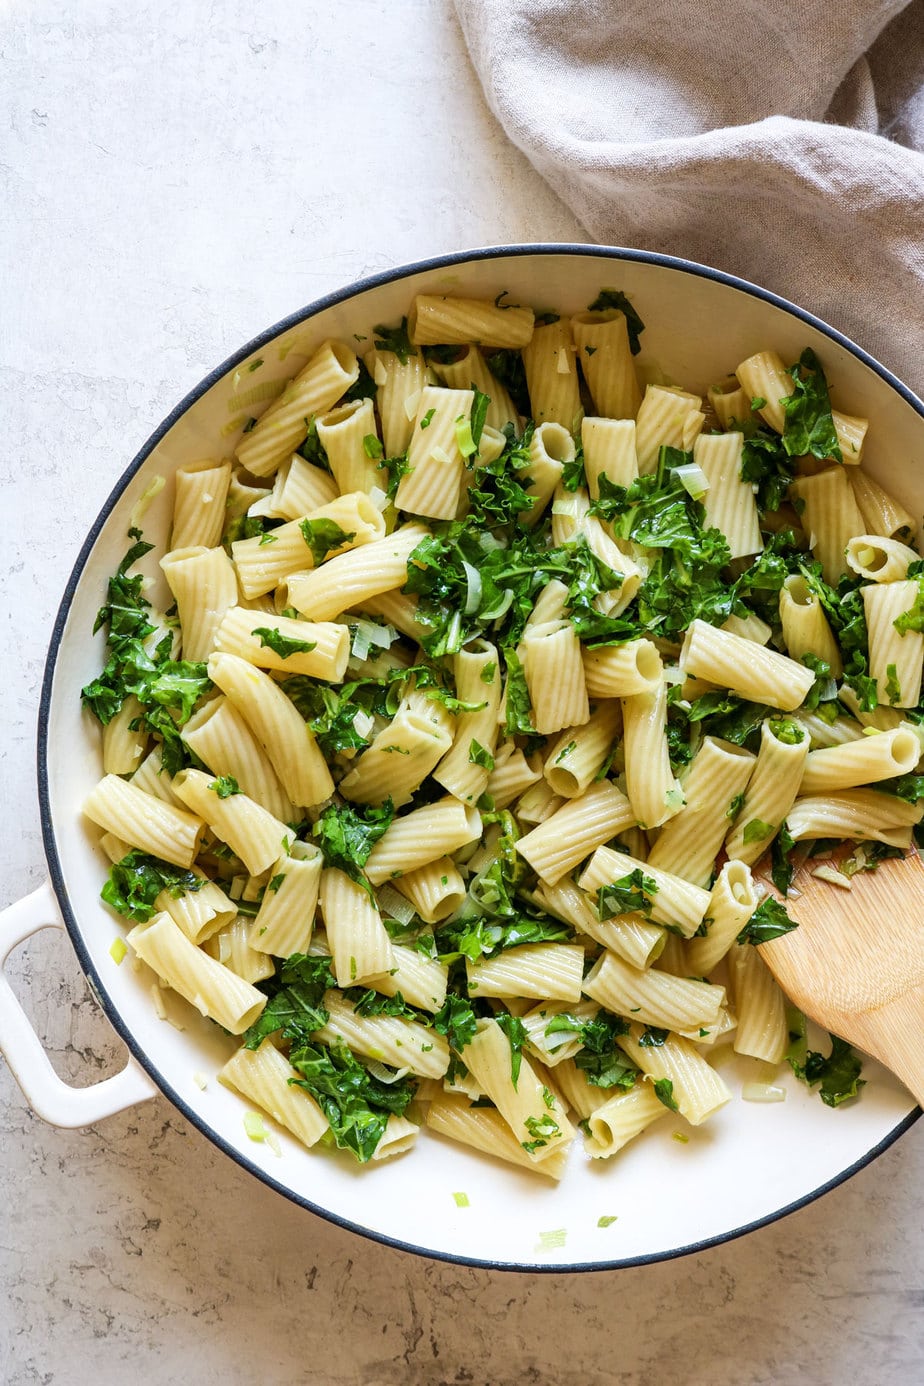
<point>49,1097</point>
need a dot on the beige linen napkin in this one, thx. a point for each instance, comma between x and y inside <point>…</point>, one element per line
<point>782,142</point>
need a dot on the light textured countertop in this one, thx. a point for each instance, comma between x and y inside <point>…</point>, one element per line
<point>172,180</point>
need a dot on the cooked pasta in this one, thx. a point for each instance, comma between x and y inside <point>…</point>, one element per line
<point>423,787</point>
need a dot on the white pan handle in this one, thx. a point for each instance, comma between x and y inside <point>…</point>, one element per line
<point>49,1097</point>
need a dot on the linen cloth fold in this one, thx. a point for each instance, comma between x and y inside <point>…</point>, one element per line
<point>781,143</point>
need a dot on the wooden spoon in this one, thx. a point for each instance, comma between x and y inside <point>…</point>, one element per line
<point>855,964</point>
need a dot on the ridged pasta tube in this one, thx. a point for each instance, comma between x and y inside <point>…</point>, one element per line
<point>438,319</point>
<point>602,343</point>
<point>771,790</point>
<point>251,635</point>
<point>278,726</point>
<point>620,1119</point>
<point>879,560</point>
<point>204,586</point>
<point>343,433</point>
<point>431,486</point>
<point>265,1077</point>
<point>630,935</point>
<point>265,561</point>
<point>752,672</point>
<point>578,754</point>
<point>653,997</point>
<point>620,671</point>
<point>351,578</point>
<point>609,450</point>
<point>402,755</point>
<point>214,990</point>
<point>690,842</point>
<point>484,1129</point>
<point>200,493</point>
<point>571,833</point>
<point>652,787</point>
<point>419,837</point>
<point>400,380</point>
<point>550,447</point>
<point>327,376</point>
<point>551,656</point>
<point>220,737</point>
<point>421,981</point>
<point>387,1038</point>
<point>298,488</point>
<point>675,901</point>
<point>252,833</point>
<point>533,1113</point>
<point>882,513</point>
<point>667,417</point>
<point>855,813</point>
<point>436,890</point>
<point>144,822</point>
<point>872,758</point>
<point>805,625</point>
<point>830,517</point>
<point>552,377</point>
<point>729,502</point>
<point>470,371</point>
<point>895,659</point>
<point>696,1087</point>
<point>764,377</point>
<point>465,768</point>
<point>124,745</point>
<point>541,970</point>
<point>732,901</point>
<point>359,944</point>
<point>285,920</point>
<point>760,1007</point>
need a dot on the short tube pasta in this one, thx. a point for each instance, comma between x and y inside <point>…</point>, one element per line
<point>552,376</point>
<point>751,671</point>
<point>204,585</point>
<point>689,842</point>
<point>830,517</point>
<point>266,1077</point>
<point>896,657</point>
<point>214,990</point>
<point>565,838</point>
<point>359,944</point>
<point>252,833</point>
<point>866,761</point>
<point>729,502</point>
<point>854,813</point>
<point>550,970</point>
<point>652,787</point>
<point>609,451</point>
<point>601,340</point>
<point>771,790</point>
<point>278,726</point>
<point>696,1088</point>
<point>667,417</point>
<point>551,656</point>
<point>653,997</point>
<point>805,626</point>
<point>320,649</point>
<point>328,374</point>
<point>732,901</point>
<point>676,902</point>
<point>579,752</point>
<point>144,822</point>
<point>350,578</point>
<point>440,319</point>
<point>200,493</point>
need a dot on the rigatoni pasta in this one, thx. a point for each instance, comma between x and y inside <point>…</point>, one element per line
<point>443,783</point>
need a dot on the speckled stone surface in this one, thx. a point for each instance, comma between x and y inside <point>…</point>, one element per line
<point>173,179</point>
